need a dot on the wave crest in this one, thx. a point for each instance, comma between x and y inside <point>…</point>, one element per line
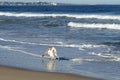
<point>94,25</point>
<point>14,14</point>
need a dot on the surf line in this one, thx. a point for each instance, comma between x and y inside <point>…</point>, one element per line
<point>21,51</point>
<point>40,56</point>
<point>37,55</point>
<point>47,57</point>
<point>32,54</point>
<point>29,53</point>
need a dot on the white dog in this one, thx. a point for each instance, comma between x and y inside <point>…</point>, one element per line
<point>52,52</point>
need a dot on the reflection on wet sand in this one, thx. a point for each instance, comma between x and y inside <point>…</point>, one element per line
<point>49,65</point>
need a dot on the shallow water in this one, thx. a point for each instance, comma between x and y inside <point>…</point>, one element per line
<point>90,40</point>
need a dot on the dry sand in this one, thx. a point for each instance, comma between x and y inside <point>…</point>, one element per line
<point>7,73</point>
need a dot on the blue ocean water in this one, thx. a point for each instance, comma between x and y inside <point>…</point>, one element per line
<point>88,35</point>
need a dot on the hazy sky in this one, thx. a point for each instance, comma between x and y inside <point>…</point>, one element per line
<point>76,1</point>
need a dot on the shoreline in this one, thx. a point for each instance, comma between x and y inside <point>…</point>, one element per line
<point>10,73</point>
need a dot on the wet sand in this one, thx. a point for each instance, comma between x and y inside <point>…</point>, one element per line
<point>8,73</point>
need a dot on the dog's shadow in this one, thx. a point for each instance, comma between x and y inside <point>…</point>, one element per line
<point>62,58</point>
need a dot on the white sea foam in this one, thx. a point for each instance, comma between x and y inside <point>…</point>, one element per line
<point>80,46</point>
<point>21,42</point>
<point>81,59</point>
<point>112,17</point>
<point>108,56</point>
<point>6,47</point>
<point>94,25</point>
<point>21,51</point>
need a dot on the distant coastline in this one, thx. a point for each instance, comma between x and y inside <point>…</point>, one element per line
<point>31,4</point>
<point>5,3</point>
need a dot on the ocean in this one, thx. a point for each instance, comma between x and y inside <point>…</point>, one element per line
<point>87,35</point>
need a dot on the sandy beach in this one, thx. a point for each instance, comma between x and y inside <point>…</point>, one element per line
<point>7,73</point>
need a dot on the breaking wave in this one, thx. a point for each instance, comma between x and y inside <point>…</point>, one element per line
<point>94,16</point>
<point>94,25</point>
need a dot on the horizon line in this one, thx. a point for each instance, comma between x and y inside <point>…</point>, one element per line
<point>61,3</point>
